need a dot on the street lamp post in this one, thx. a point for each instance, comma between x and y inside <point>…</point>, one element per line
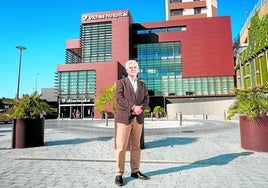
<point>36,82</point>
<point>18,87</point>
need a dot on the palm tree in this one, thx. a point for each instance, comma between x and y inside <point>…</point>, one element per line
<point>158,111</point>
<point>250,102</point>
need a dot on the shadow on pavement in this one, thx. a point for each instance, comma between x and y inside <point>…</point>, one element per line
<point>170,141</point>
<point>5,148</point>
<point>218,160</point>
<point>77,141</point>
<point>5,131</point>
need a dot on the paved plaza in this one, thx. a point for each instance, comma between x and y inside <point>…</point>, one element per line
<point>78,153</point>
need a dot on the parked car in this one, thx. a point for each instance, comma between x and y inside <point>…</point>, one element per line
<point>4,118</point>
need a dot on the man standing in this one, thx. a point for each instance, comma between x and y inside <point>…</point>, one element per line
<point>132,98</point>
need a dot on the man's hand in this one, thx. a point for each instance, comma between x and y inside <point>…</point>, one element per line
<point>137,110</point>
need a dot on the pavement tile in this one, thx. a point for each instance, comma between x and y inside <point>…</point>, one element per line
<point>190,159</point>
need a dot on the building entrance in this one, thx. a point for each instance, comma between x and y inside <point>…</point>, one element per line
<point>76,111</point>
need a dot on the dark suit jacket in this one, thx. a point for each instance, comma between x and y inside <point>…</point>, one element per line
<point>126,99</point>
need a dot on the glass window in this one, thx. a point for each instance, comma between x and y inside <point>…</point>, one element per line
<point>204,85</point>
<point>218,85</point>
<point>197,10</point>
<point>211,88</point>
<point>198,90</point>
<point>177,12</point>
<point>96,42</point>
<point>191,86</point>
<point>179,28</point>
<point>230,84</point>
<point>224,85</point>
<point>161,30</point>
<point>161,70</point>
<point>146,31</point>
<point>77,85</point>
<point>160,64</point>
<point>175,1</point>
<point>158,30</point>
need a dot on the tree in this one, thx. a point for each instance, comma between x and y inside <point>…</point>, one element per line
<point>106,99</point>
<point>158,111</point>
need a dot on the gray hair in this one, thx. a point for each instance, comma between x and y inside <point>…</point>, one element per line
<point>131,61</point>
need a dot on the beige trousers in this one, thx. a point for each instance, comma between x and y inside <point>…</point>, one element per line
<point>128,134</point>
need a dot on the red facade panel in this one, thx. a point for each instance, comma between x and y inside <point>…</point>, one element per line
<point>206,45</point>
<point>208,49</point>
<point>73,44</point>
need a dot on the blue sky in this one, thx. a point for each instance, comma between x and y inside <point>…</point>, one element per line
<point>43,26</point>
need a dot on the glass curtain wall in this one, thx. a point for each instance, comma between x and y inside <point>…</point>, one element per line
<point>161,69</point>
<point>160,66</point>
<point>76,85</point>
<point>96,42</point>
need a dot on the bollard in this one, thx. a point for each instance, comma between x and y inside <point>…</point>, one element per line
<point>180,119</point>
<point>106,118</point>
